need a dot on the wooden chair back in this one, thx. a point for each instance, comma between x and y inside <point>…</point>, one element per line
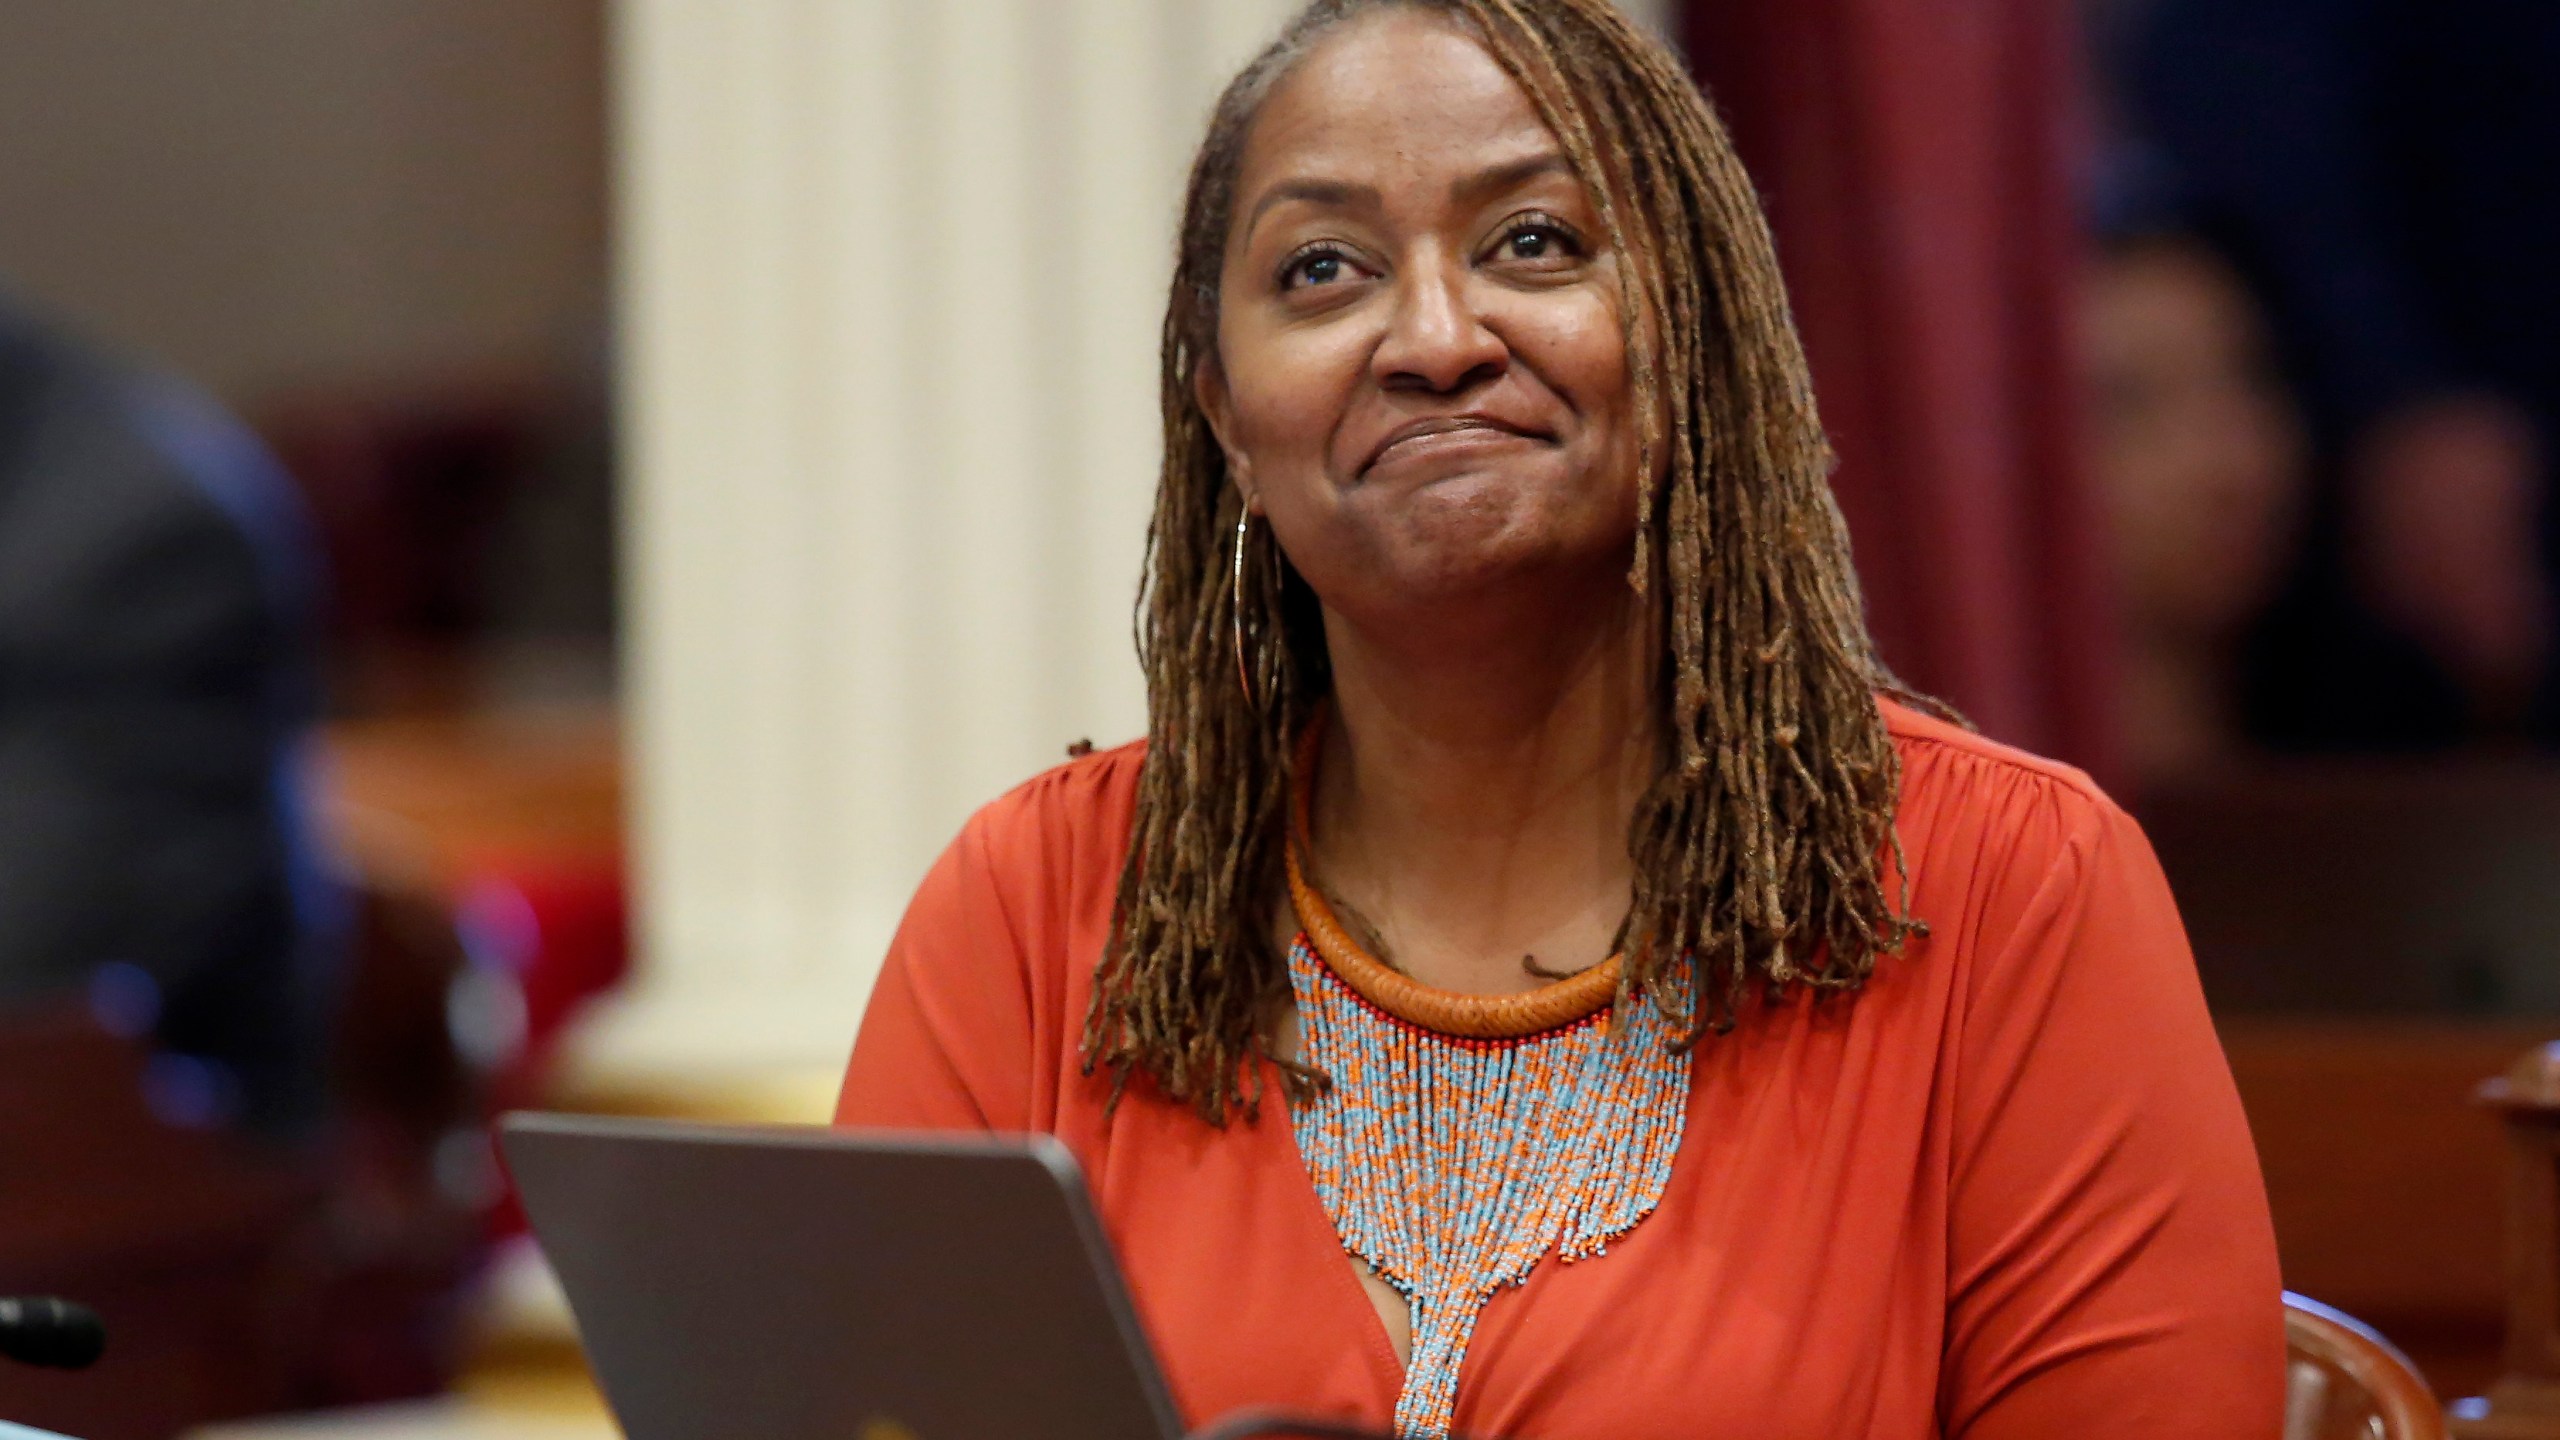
<point>2344,1382</point>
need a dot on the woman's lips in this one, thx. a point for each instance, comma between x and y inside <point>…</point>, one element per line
<point>1445,435</point>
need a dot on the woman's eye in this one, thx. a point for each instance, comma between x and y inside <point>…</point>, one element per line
<point>1538,242</point>
<point>1316,267</point>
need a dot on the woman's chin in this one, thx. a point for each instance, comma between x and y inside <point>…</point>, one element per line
<point>1474,556</point>
<point>1494,519</point>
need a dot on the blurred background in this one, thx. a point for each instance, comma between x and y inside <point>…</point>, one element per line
<point>525,524</point>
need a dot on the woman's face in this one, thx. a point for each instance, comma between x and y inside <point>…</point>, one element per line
<point>1421,373</point>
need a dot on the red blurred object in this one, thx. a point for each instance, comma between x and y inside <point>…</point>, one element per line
<point>560,929</point>
<point>555,933</point>
<point>1916,160</point>
<point>507,827</point>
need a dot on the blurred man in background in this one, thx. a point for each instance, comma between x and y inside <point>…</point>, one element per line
<point>157,683</point>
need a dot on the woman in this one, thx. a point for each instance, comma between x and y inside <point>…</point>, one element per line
<point>1530,983</point>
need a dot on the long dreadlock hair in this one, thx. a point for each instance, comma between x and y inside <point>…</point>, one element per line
<point>1764,851</point>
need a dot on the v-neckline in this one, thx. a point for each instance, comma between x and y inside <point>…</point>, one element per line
<point>1376,1344</point>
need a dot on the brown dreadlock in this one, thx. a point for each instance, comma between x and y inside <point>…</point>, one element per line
<point>1762,851</point>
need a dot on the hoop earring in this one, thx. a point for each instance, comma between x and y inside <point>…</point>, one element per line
<point>1235,614</point>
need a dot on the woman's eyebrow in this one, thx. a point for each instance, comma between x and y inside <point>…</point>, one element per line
<point>1315,192</point>
<point>1494,179</point>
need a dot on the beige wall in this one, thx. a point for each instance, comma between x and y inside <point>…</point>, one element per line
<point>268,193</point>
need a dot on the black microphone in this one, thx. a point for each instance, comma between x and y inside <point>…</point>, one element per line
<point>40,1330</point>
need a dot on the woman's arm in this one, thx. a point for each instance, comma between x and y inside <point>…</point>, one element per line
<point>2112,1266</point>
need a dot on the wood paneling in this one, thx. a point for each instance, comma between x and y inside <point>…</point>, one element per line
<point>2387,1181</point>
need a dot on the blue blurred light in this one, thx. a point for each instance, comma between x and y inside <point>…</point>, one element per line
<point>124,999</point>
<point>498,927</point>
<point>190,1091</point>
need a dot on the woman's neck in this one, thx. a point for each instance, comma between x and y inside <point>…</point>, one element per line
<point>1475,789</point>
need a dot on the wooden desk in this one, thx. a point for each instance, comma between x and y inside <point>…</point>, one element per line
<point>416,802</point>
<point>459,1418</point>
<point>2387,1181</point>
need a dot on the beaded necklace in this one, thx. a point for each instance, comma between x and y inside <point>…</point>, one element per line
<point>1464,1138</point>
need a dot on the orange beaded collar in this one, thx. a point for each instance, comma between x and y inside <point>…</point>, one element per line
<point>1475,1017</point>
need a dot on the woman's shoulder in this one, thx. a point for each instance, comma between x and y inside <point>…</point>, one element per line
<point>2027,873</point>
<point>1076,812</point>
<point>1917,733</point>
<point>1964,792</point>
<point>1081,803</point>
<point>1946,752</point>
<point>1089,780</point>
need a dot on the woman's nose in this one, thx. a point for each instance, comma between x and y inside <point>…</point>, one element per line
<point>1435,340</point>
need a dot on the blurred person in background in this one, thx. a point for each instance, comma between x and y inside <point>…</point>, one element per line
<point>2387,164</point>
<point>2200,458</point>
<point>157,686</point>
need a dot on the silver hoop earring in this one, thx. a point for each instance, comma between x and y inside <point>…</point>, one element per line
<point>1244,672</point>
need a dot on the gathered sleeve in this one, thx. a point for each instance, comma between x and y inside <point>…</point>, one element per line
<point>2112,1268</point>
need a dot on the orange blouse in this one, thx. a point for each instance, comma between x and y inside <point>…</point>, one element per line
<point>2005,1192</point>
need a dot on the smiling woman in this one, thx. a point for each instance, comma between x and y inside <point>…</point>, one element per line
<point>1560,809</point>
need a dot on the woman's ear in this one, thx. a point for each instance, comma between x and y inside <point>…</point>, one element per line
<point>1209,388</point>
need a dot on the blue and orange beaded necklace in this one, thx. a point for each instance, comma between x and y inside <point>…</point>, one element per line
<point>1464,1138</point>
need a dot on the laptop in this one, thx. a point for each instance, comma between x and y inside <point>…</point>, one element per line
<point>783,1283</point>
